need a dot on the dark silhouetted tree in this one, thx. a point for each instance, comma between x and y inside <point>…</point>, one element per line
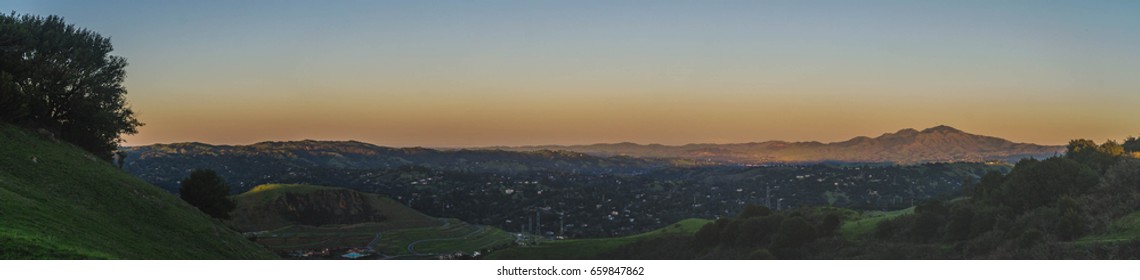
<point>961,220</point>
<point>1131,145</point>
<point>929,218</point>
<point>1034,184</point>
<point>61,78</point>
<point>208,192</point>
<point>989,182</point>
<point>709,234</point>
<point>757,231</point>
<point>752,210</point>
<point>793,233</point>
<point>830,224</point>
<point>1071,223</point>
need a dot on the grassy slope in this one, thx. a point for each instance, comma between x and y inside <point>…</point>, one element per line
<point>1126,228</point>
<point>403,227</point>
<point>453,236</point>
<point>590,248</point>
<point>59,202</point>
<point>859,227</point>
<point>253,202</point>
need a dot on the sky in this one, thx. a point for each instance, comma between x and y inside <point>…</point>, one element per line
<point>487,73</point>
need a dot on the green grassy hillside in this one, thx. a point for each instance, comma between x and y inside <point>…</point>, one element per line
<point>859,227</point>
<point>254,211</point>
<point>576,249</point>
<point>1125,229</point>
<point>403,232</point>
<point>59,202</point>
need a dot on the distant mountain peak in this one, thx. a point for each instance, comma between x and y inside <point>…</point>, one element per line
<point>941,129</point>
<point>902,132</point>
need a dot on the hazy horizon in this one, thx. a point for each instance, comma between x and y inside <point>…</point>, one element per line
<point>513,73</point>
<point>573,144</point>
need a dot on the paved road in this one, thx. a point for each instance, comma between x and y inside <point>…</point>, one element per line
<point>375,240</point>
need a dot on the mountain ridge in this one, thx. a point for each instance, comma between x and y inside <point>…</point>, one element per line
<point>940,143</point>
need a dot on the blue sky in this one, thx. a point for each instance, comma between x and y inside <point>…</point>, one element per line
<point>470,73</point>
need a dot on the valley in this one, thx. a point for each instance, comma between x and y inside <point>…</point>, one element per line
<point>346,200</point>
<point>589,204</point>
<point>558,196</point>
<point>568,138</point>
<point>424,203</point>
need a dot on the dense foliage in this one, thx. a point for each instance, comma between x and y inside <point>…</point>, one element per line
<point>1131,145</point>
<point>208,192</point>
<point>63,79</point>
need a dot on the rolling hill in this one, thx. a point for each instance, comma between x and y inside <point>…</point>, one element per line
<point>273,206</point>
<point>307,221</point>
<point>936,144</point>
<point>59,202</point>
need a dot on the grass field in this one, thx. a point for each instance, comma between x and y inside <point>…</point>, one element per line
<point>59,202</point>
<point>590,248</point>
<point>454,236</point>
<point>1126,228</point>
<point>448,236</point>
<point>861,226</point>
<point>405,232</point>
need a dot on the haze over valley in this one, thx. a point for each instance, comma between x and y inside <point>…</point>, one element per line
<point>639,187</point>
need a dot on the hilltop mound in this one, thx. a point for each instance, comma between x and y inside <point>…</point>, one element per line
<point>60,202</point>
<point>273,206</point>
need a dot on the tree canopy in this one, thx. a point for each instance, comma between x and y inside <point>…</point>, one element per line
<point>61,78</point>
<point>1131,145</point>
<point>208,192</point>
<point>1098,157</point>
<point>1035,184</point>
